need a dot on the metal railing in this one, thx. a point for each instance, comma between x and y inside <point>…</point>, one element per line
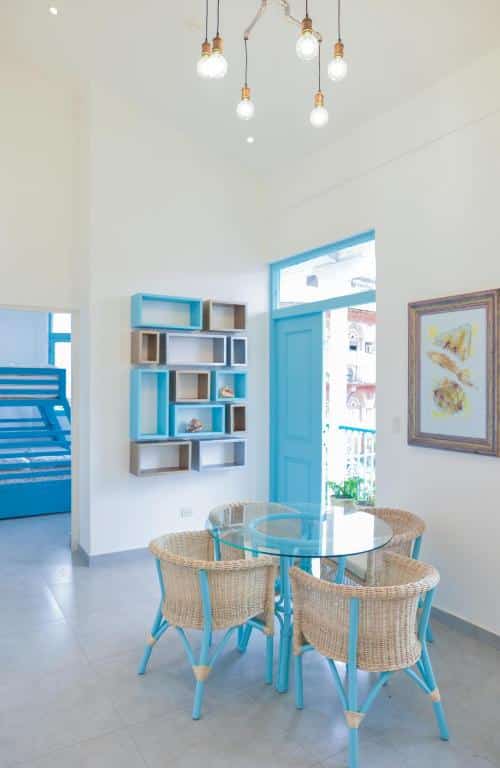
<point>360,457</point>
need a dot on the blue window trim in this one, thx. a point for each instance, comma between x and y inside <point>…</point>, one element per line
<point>54,337</point>
<point>275,314</point>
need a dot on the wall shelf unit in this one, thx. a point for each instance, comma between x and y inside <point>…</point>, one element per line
<point>154,458</point>
<point>236,419</point>
<point>145,348</point>
<point>224,316</point>
<point>195,349</point>
<point>190,386</point>
<point>219,454</point>
<point>226,382</point>
<point>148,404</point>
<point>149,310</point>
<point>212,416</point>
<point>237,351</point>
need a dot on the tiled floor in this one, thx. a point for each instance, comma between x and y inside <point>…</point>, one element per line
<point>70,641</point>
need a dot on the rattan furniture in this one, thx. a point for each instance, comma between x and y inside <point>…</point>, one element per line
<point>198,592</point>
<point>370,628</point>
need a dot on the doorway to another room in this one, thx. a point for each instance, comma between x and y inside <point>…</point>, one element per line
<point>323,375</point>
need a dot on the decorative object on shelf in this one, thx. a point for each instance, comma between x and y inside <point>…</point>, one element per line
<point>453,373</point>
<point>228,453</point>
<point>159,458</point>
<point>176,313</point>
<point>213,65</point>
<point>226,391</point>
<point>319,113</point>
<point>337,68</point>
<point>195,425</point>
<point>223,316</point>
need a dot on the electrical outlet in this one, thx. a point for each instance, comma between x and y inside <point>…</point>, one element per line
<point>186,512</point>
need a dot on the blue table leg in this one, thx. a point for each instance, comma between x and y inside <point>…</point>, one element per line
<point>339,576</point>
<point>286,626</point>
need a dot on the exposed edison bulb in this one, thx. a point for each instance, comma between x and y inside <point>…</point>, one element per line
<point>203,65</point>
<point>337,68</point>
<point>307,46</point>
<point>246,108</point>
<point>218,62</point>
<point>319,115</point>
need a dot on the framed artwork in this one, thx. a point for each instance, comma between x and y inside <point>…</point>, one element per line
<point>453,373</point>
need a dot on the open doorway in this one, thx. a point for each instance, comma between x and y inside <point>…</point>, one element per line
<point>35,413</point>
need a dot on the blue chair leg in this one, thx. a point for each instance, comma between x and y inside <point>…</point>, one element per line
<point>149,647</point>
<point>429,634</point>
<point>299,683</point>
<point>353,748</point>
<point>244,638</point>
<point>435,695</point>
<point>269,659</point>
<point>201,674</point>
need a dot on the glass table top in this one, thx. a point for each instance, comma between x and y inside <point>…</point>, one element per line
<point>298,530</point>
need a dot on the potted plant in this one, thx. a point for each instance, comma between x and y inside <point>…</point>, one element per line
<point>345,494</point>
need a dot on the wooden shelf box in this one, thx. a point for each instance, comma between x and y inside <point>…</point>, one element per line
<point>234,381</point>
<point>211,416</point>
<point>145,347</point>
<point>219,454</point>
<point>148,404</point>
<point>195,349</point>
<point>159,458</point>
<point>224,316</point>
<point>176,313</point>
<point>236,419</point>
<point>190,386</point>
<point>237,351</point>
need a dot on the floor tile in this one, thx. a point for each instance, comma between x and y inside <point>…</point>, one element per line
<point>115,750</point>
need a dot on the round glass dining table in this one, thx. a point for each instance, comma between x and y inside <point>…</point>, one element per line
<point>296,533</point>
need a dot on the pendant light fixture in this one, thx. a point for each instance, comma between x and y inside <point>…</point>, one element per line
<point>319,114</point>
<point>246,108</point>
<point>307,44</point>
<point>203,66</point>
<point>218,62</point>
<point>337,69</point>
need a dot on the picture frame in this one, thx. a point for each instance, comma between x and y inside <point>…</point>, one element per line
<point>453,361</point>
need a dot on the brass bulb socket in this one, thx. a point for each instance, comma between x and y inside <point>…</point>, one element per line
<point>338,50</point>
<point>307,25</point>
<point>245,93</point>
<point>206,48</point>
<point>218,45</point>
<point>319,99</point>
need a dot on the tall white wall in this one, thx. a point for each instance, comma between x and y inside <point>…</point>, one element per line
<point>426,177</point>
<point>167,219</point>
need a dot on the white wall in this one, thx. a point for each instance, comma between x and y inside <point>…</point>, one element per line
<point>24,338</point>
<point>426,177</point>
<point>166,219</point>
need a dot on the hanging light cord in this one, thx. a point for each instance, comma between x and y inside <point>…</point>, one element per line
<point>206,22</point>
<point>218,15</point>
<point>307,9</point>
<point>246,62</point>
<point>319,67</point>
<point>338,22</point>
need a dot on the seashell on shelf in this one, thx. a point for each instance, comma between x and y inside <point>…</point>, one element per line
<point>195,425</point>
<point>226,391</point>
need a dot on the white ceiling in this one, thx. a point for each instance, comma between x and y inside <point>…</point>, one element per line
<point>147,50</point>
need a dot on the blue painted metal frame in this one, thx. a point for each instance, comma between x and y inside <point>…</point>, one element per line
<point>275,268</point>
<point>195,311</point>
<point>54,338</point>
<point>160,626</point>
<point>36,450</point>
<point>161,379</point>
<point>218,420</point>
<point>239,382</point>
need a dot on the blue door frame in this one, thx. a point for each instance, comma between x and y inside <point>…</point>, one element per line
<point>298,311</point>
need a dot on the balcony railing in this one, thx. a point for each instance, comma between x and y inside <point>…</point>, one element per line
<point>360,458</point>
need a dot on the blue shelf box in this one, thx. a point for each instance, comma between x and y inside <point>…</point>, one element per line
<point>148,404</point>
<point>233,381</point>
<point>174,313</point>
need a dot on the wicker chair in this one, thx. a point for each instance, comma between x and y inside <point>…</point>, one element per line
<point>198,592</point>
<point>372,628</point>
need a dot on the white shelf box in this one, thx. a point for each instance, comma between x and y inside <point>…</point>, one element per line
<point>177,313</point>
<point>159,458</point>
<point>145,348</point>
<point>190,386</point>
<point>219,454</point>
<point>194,349</point>
<point>212,416</point>
<point>148,404</point>
<point>224,316</point>
<point>236,419</point>
<point>237,351</point>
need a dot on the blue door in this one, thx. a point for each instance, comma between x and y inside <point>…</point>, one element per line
<point>297,409</point>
